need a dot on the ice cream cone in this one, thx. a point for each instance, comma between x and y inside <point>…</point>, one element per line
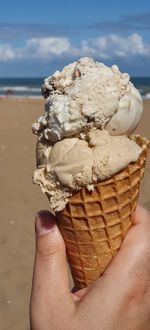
<point>95,223</point>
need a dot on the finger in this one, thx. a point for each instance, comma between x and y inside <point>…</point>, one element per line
<point>141,215</point>
<point>77,295</point>
<point>50,276</point>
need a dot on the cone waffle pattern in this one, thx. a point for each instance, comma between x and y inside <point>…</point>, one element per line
<point>95,223</point>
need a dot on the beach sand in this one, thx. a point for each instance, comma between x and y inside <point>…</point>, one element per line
<point>19,202</point>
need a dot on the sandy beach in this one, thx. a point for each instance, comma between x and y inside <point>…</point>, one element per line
<point>19,202</point>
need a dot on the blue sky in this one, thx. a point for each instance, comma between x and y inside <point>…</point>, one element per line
<point>38,37</point>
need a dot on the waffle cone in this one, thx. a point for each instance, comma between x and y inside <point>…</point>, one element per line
<point>95,223</point>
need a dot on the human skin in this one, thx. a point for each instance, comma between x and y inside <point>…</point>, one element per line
<point>119,299</point>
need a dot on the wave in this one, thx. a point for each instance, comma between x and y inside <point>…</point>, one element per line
<point>146,96</point>
<point>26,89</point>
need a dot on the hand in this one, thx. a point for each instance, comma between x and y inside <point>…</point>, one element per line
<point>120,299</point>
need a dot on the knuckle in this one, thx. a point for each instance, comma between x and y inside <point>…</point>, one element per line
<point>138,288</point>
<point>44,253</point>
<point>53,247</point>
<point>138,291</point>
<point>144,248</point>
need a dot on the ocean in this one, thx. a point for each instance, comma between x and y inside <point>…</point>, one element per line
<point>23,87</point>
<point>31,87</point>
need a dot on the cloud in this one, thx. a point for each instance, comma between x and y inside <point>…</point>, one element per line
<point>140,21</point>
<point>43,48</point>
<point>7,53</point>
<point>128,23</point>
<point>105,47</point>
<point>125,23</point>
<point>19,31</point>
<point>36,48</point>
<point>114,46</point>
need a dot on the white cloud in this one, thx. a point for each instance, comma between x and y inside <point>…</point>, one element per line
<point>46,47</point>
<point>7,53</point>
<point>105,47</point>
<point>137,45</point>
<point>113,46</point>
<point>41,48</point>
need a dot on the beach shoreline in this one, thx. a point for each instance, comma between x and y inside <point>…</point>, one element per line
<point>31,86</point>
<point>40,97</point>
<point>20,200</point>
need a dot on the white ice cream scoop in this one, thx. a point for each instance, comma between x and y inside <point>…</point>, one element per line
<point>87,94</point>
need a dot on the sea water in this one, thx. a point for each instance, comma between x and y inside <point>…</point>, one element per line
<point>31,87</point>
<point>23,87</point>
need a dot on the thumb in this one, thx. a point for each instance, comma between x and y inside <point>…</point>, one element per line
<point>50,276</point>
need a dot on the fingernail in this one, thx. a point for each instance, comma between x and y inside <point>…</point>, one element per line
<point>74,289</point>
<point>44,222</point>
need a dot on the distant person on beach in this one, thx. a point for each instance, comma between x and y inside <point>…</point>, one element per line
<point>120,299</point>
<point>9,92</point>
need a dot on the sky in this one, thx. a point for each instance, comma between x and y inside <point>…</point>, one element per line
<point>39,37</point>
